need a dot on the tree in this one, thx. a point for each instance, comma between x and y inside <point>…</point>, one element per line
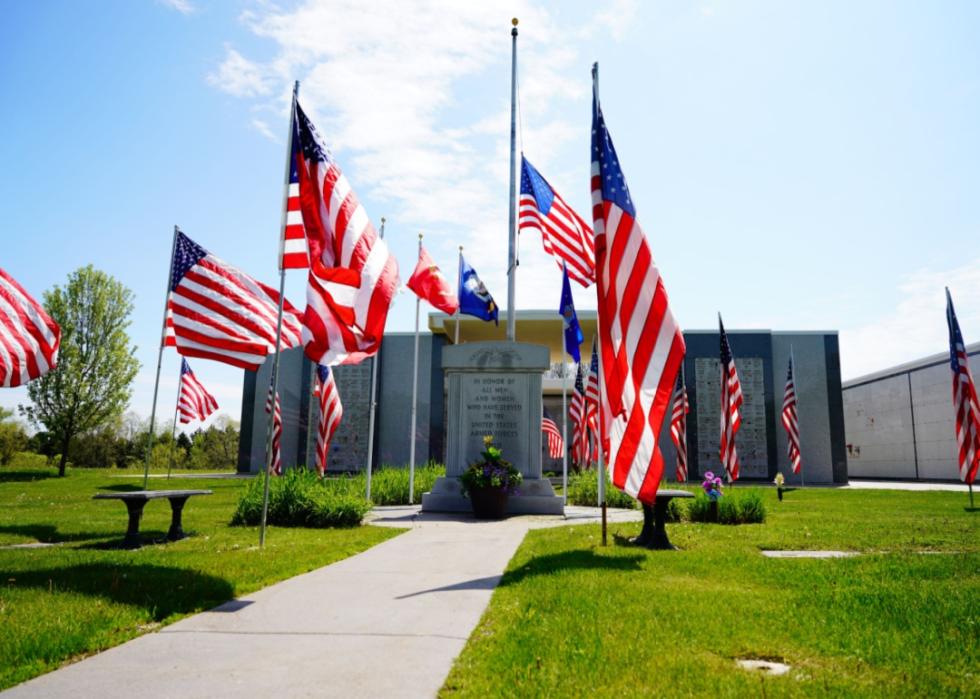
<point>13,438</point>
<point>96,364</point>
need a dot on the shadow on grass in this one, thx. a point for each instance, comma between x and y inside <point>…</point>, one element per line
<point>120,487</point>
<point>25,476</point>
<point>49,534</point>
<point>160,590</point>
<point>571,560</point>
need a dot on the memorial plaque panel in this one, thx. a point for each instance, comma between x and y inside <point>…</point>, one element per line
<point>348,448</point>
<point>751,438</point>
<point>498,405</point>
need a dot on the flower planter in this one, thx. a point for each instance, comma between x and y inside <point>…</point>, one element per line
<point>489,503</point>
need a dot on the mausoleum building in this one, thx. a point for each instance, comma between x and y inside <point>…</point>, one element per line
<point>760,355</point>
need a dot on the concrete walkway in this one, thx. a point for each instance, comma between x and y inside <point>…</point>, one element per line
<point>385,623</point>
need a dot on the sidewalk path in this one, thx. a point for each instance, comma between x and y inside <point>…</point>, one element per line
<point>387,622</point>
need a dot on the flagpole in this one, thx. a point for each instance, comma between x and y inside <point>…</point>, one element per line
<point>687,464</point>
<point>309,421</point>
<point>799,431</point>
<point>599,383</point>
<point>173,432</point>
<point>512,219</point>
<point>282,296</point>
<point>564,424</point>
<point>459,279</point>
<point>163,337</point>
<point>415,393</point>
<point>374,404</point>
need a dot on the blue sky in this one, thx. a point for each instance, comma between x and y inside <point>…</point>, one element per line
<point>794,165</point>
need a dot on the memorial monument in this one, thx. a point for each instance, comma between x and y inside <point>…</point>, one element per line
<point>494,388</point>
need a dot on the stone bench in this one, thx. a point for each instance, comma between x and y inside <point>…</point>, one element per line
<point>136,500</point>
<point>654,532</point>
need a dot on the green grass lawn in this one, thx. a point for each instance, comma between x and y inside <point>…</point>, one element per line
<point>66,601</point>
<point>571,618</point>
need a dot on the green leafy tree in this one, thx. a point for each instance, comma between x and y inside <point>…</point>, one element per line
<point>96,364</point>
<point>13,438</point>
<point>216,448</point>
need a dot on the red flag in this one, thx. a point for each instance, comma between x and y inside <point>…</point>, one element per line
<point>678,429</point>
<point>731,404</point>
<point>29,337</point>
<point>640,342</point>
<point>429,283</point>
<point>353,276</point>
<point>965,402</point>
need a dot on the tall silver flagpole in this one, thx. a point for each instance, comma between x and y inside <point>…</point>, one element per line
<point>156,384</point>
<point>600,382</point>
<point>512,192</point>
<point>173,432</point>
<point>459,280</point>
<point>310,430</point>
<point>415,394</point>
<point>282,296</point>
<point>564,425</point>
<point>374,403</point>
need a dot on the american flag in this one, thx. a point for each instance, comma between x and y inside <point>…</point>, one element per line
<point>556,445</point>
<point>193,400</point>
<point>641,344</point>
<point>353,277</point>
<point>580,431</point>
<point>331,411</point>
<point>564,234</point>
<point>965,402</point>
<point>275,466</point>
<point>293,251</point>
<point>790,419</point>
<point>592,406</point>
<point>731,402</point>
<point>29,337</point>
<point>678,429</point>
<point>216,311</point>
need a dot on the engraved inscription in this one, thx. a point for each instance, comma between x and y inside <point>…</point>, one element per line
<point>751,438</point>
<point>348,448</point>
<point>494,404</point>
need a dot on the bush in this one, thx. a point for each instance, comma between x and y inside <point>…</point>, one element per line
<point>299,499</point>
<point>28,461</point>
<point>744,507</point>
<point>583,489</point>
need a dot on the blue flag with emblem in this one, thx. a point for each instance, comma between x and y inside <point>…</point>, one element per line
<point>573,332</point>
<point>474,299</point>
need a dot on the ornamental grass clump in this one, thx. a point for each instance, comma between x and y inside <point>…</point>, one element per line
<point>583,489</point>
<point>714,506</point>
<point>491,472</point>
<point>299,499</point>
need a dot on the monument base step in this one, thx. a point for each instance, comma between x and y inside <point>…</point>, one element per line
<point>536,497</point>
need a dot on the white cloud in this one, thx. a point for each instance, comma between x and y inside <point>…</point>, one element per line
<point>263,128</point>
<point>184,7</point>
<point>392,87</point>
<point>917,326</point>
<point>241,77</point>
<point>618,16</point>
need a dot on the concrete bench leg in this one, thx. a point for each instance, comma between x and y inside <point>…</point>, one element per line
<point>133,540</point>
<point>659,539</point>
<point>176,532</point>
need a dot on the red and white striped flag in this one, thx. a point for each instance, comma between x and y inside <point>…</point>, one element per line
<point>29,337</point>
<point>564,234</point>
<point>353,277</point>
<point>678,429</point>
<point>592,403</point>
<point>965,403</point>
<point>556,445</point>
<point>218,312</point>
<point>193,401</point>
<point>731,403</point>
<point>641,343</point>
<point>790,419</point>
<point>580,431</point>
<point>331,411</point>
<point>293,250</point>
<point>275,466</point>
